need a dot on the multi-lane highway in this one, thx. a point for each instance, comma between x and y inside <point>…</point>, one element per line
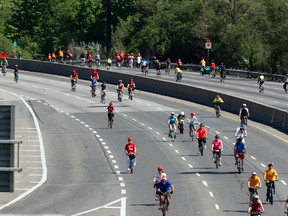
<point>86,163</point>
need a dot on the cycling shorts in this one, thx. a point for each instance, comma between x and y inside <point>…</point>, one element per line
<point>240,154</point>
<point>218,151</point>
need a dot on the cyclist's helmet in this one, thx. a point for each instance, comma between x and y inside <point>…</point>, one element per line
<point>160,168</point>
<point>130,138</point>
<point>218,96</point>
<point>131,79</point>
<point>201,125</point>
<point>120,81</point>
<point>182,113</point>
<point>74,71</point>
<point>217,136</point>
<point>254,173</point>
<point>172,113</point>
<point>255,197</point>
<point>192,113</point>
<point>163,178</point>
<point>16,65</point>
<point>222,62</point>
<point>239,138</point>
<point>244,105</point>
<point>111,103</point>
<point>270,164</point>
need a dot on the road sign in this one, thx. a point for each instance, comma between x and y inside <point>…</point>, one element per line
<point>14,44</point>
<point>208,45</point>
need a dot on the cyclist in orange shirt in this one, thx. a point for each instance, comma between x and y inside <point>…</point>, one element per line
<point>61,55</point>
<point>201,135</point>
<point>49,57</point>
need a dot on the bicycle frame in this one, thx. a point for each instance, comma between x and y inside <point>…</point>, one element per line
<point>270,190</point>
<point>165,202</point>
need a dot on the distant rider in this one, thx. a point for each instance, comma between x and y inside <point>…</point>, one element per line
<point>261,80</point>
<point>172,122</point>
<point>192,124</point>
<point>201,135</point>
<point>157,178</point>
<point>164,187</point>
<point>217,147</point>
<point>131,152</point>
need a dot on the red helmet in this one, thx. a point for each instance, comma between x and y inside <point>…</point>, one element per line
<point>95,69</point>
<point>130,138</point>
<point>160,168</point>
<point>218,96</point>
<point>270,164</point>
<point>120,81</point>
<point>111,103</point>
<point>74,71</point>
<point>192,113</point>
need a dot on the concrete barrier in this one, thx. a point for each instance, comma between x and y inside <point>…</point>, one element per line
<point>259,112</point>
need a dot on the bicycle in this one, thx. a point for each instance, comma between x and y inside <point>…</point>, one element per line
<point>243,122</point>
<point>201,146</point>
<point>165,203</point>
<point>131,93</point>
<point>261,88</point>
<point>103,97</point>
<point>216,157</point>
<point>172,133</point>
<point>168,68</point>
<point>217,111</point>
<point>93,90</point>
<point>131,162</point>
<point>239,164</point>
<point>181,126</point>
<point>73,86</point>
<point>256,213</point>
<point>270,191</point>
<point>120,95</point>
<point>4,70</point>
<point>16,77</point>
<point>158,72</point>
<point>192,131</point>
<point>110,120</point>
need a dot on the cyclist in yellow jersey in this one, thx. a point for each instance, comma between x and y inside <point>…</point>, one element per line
<point>270,176</point>
<point>178,73</point>
<point>254,183</point>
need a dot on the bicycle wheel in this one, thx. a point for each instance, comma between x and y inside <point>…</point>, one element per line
<point>217,162</point>
<point>271,196</point>
<point>164,206</point>
<point>172,135</point>
<point>239,165</point>
<point>201,148</point>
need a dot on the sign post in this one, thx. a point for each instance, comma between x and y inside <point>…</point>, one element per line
<point>208,46</point>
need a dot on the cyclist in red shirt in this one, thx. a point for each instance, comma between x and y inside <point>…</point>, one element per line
<point>201,135</point>
<point>213,68</point>
<point>131,86</point>
<point>256,206</point>
<point>110,112</point>
<point>120,89</point>
<point>131,152</point>
<point>73,77</point>
<point>217,147</point>
<point>94,74</point>
<point>180,64</point>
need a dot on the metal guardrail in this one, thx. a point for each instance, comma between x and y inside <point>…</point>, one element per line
<point>12,142</point>
<point>193,67</point>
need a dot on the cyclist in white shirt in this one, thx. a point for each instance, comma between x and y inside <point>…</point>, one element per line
<point>192,124</point>
<point>157,178</point>
<point>240,132</point>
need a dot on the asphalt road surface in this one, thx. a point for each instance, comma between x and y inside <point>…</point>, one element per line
<point>74,165</point>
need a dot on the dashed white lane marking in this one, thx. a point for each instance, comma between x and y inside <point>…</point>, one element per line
<point>122,184</point>
<point>67,114</point>
<point>205,183</point>
<point>77,119</point>
<point>283,182</point>
<point>190,165</point>
<point>142,124</point>
<point>133,119</point>
<point>125,115</point>
<point>197,174</point>
<point>275,102</point>
<point>217,132</point>
<point>123,191</point>
<point>106,147</point>
<point>108,151</point>
<point>183,158</point>
<point>82,122</point>
<point>157,132</point>
<point>97,135</point>
<point>100,140</point>
<point>253,157</point>
<point>111,156</point>
<point>87,126</point>
<point>90,128</point>
<point>217,206</point>
<point>103,143</point>
<point>170,144</point>
<point>116,167</point>
<point>164,138</point>
<point>114,161</point>
<point>150,128</point>
<point>95,132</point>
<point>118,172</point>
<point>263,165</point>
<point>211,194</point>
<point>177,151</point>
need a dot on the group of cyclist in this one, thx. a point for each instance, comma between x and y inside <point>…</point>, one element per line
<point>4,64</point>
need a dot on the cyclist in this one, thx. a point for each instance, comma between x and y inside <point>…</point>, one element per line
<point>178,73</point>
<point>261,80</point>
<point>270,176</point>
<point>244,113</point>
<point>4,63</point>
<point>217,148</point>
<point>131,86</point>
<point>94,74</point>
<point>181,119</point>
<point>192,124</point>
<point>144,66</point>
<point>73,77</point>
<point>110,112</point>
<point>286,206</point>
<point>158,67</point>
<point>180,64</point>
<point>157,178</point>
<point>201,135</point>
<point>61,55</point>
<point>222,71</point>
<point>239,150</point>
<point>217,101</point>
<point>172,122</point>
<point>120,88</point>
<point>109,63</point>
<point>131,152</point>
<point>16,73</point>
<point>256,205</point>
<point>82,58</point>
<point>138,60</point>
<point>168,65</point>
<point>163,187</point>
<point>254,183</point>
<point>240,132</point>
<point>97,59</point>
<point>90,60</point>
<point>104,90</point>
<point>213,68</point>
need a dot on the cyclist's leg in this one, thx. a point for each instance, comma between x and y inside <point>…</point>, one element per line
<point>168,200</point>
<point>161,200</point>
<point>267,191</point>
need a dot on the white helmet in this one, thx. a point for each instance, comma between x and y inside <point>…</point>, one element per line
<point>172,113</point>
<point>244,105</point>
<point>182,113</point>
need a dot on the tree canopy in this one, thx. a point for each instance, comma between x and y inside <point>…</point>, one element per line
<point>246,34</point>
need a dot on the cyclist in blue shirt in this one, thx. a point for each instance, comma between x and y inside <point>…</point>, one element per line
<point>239,149</point>
<point>172,122</point>
<point>164,188</point>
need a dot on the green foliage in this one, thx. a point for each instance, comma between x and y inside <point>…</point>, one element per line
<point>247,34</point>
